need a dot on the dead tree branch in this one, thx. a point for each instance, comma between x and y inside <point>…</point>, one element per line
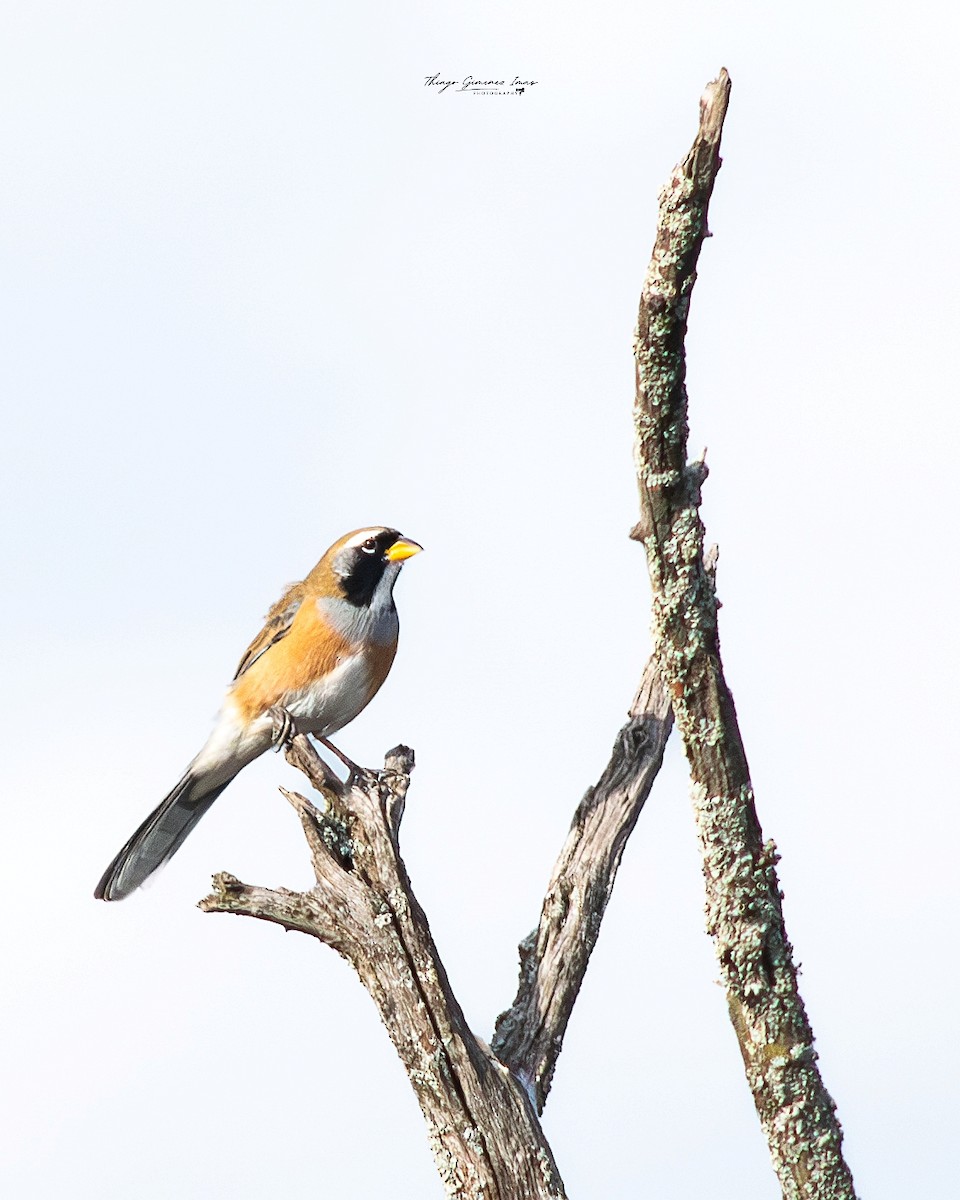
<point>554,957</point>
<point>478,1104</point>
<point>744,914</point>
<point>485,1137</point>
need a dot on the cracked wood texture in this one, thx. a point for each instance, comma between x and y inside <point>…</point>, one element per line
<point>554,957</point>
<point>744,914</point>
<point>485,1136</point>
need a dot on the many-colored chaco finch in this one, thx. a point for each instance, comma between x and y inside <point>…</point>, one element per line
<point>327,646</point>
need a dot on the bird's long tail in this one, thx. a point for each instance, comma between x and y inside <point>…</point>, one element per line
<point>160,836</point>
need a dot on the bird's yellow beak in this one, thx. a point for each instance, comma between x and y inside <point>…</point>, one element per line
<point>403,548</point>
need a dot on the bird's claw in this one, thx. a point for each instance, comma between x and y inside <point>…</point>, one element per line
<point>284,727</point>
<point>356,773</point>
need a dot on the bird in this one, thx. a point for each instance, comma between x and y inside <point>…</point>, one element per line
<point>326,647</point>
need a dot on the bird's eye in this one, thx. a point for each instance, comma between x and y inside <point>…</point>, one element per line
<point>369,546</point>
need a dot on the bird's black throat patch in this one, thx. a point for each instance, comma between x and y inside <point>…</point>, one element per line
<point>365,569</point>
<point>365,573</point>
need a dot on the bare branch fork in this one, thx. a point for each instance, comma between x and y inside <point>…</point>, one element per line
<point>483,1130</point>
<point>481,1103</point>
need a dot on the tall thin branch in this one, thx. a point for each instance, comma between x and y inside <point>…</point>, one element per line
<point>744,914</point>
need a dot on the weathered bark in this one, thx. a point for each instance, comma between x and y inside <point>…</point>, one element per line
<point>554,957</point>
<point>744,914</point>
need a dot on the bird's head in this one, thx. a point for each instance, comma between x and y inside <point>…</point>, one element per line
<point>364,565</point>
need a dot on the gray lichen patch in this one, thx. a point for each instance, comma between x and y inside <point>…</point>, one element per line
<point>744,919</point>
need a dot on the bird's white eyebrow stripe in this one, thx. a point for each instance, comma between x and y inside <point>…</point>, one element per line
<point>359,538</point>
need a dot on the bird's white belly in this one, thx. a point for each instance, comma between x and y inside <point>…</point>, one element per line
<point>332,702</point>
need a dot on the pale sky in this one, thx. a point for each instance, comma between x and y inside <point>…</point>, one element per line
<point>262,286</point>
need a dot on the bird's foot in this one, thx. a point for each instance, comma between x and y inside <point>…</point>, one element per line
<point>355,771</point>
<point>284,727</point>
